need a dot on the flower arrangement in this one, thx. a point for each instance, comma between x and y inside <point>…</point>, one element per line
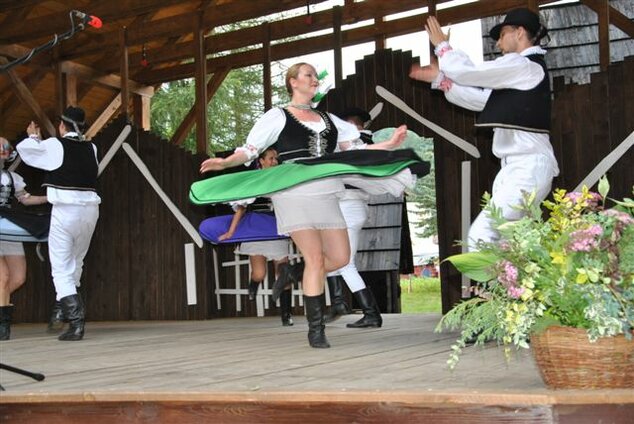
<point>574,269</point>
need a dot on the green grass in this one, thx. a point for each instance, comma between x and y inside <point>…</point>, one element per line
<point>423,298</point>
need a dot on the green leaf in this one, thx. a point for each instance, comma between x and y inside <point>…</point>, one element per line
<point>604,187</point>
<point>476,265</point>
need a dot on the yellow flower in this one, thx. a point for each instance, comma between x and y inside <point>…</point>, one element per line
<point>558,257</point>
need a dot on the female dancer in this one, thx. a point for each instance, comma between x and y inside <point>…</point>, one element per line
<point>260,252</point>
<point>12,259</point>
<point>308,212</point>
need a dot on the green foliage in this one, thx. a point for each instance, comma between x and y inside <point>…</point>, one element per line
<point>574,269</point>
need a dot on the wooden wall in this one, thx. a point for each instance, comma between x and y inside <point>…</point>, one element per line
<point>135,268</point>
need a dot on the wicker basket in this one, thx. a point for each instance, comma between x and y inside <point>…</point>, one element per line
<point>568,360</point>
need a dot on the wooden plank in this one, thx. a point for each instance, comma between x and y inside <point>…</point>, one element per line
<point>105,116</point>
<point>124,70</point>
<point>141,111</point>
<point>336,35</point>
<point>266,66</point>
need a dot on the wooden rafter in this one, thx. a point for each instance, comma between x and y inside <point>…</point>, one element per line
<point>25,95</point>
<point>351,37</point>
<point>104,117</point>
<point>617,19</point>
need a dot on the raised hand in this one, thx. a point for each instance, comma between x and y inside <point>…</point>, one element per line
<point>436,36</point>
<point>34,129</point>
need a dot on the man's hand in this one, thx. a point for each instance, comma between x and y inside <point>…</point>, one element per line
<point>424,73</point>
<point>213,164</point>
<point>436,36</point>
<point>34,130</point>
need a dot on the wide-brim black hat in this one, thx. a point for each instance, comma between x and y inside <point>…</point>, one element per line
<point>355,112</point>
<point>520,17</point>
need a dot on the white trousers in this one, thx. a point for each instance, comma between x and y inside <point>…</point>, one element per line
<point>522,173</point>
<point>355,213</point>
<point>69,237</point>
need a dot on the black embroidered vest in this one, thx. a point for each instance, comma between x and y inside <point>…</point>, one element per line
<point>297,141</point>
<point>526,110</point>
<point>78,170</point>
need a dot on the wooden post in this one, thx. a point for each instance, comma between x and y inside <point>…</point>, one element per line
<point>60,101</point>
<point>125,73</point>
<point>603,14</point>
<point>141,111</point>
<point>200,73</point>
<point>379,40</point>
<point>266,66</point>
<point>71,89</point>
<point>338,42</point>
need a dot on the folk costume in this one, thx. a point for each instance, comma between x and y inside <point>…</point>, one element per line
<point>305,187</point>
<point>513,93</point>
<point>71,189</point>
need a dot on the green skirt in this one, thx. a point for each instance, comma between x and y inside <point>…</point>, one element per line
<point>263,182</point>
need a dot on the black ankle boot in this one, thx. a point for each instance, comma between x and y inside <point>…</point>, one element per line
<point>6,313</point>
<point>315,317</point>
<point>338,306</point>
<point>371,312</point>
<point>56,321</point>
<point>285,307</point>
<point>73,310</point>
<point>253,289</point>
<point>288,274</point>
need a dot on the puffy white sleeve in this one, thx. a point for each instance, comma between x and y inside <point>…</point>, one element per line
<point>348,136</point>
<point>264,133</point>
<point>46,154</point>
<point>512,70</point>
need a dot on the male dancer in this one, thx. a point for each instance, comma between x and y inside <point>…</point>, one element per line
<point>71,182</point>
<point>513,93</point>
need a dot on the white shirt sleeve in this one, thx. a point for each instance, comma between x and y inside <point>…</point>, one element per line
<point>264,133</point>
<point>513,70</point>
<point>348,136</point>
<point>472,98</point>
<point>46,154</point>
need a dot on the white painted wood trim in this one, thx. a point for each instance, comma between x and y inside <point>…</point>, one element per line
<point>114,148</point>
<point>465,217</point>
<point>190,273</point>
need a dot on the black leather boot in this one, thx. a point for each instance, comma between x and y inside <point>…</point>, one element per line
<point>285,307</point>
<point>288,274</point>
<point>6,313</point>
<point>73,310</point>
<point>315,317</point>
<point>253,289</point>
<point>56,321</point>
<point>371,313</point>
<point>338,306</point>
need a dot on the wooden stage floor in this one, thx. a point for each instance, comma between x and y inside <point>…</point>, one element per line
<point>255,370</point>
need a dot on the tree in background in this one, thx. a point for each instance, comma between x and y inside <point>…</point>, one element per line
<point>424,193</point>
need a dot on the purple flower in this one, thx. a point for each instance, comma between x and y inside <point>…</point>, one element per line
<point>585,240</point>
<point>507,274</point>
<point>515,292</point>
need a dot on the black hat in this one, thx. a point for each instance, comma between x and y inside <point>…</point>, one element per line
<point>74,115</point>
<point>355,112</point>
<point>520,17</point>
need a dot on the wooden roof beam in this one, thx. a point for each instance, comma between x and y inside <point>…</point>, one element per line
<point>25,95</point>
<point>176,26</point>
<point>57,22</point>
<point>111,80</point>
<point>291,27</point>
<point>352,37</point>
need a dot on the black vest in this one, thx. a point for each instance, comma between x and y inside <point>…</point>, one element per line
<point>78,170</point>
<point>297,141</point>
<point>526,110</point>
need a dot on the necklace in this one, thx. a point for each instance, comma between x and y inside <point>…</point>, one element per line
<point>301,106</point>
